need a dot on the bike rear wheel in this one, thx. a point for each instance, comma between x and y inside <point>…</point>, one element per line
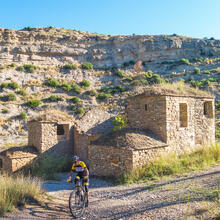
<point>77,202</point>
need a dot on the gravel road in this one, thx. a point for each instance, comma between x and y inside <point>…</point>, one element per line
<point>188,197</point>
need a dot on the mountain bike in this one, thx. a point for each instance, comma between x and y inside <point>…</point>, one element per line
<point>77,200</point>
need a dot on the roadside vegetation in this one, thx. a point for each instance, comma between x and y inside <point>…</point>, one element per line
<point>47,166</point>
<point>172,164</point>
<point>17,191</point>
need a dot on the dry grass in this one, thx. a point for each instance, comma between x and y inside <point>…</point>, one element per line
<point>172,164</point>
<point>10,145</point>
<point>53,115</point>
<point>18,191</point>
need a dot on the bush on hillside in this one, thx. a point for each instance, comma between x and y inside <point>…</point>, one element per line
<point>87,66</point>
<point>4,85</point>
<point>185,61</point>
<point>66,87</point>
<point>120,73</point>
<point>23,115</point>
<point>52,83</point>
<point>13,85</point>
<point>92,92</point>
<point>34,103</point>
<point>55,98</point>
<point>85,83</point>
<point>76,89</point>
<point>22,92</point>
<point>196,70</point>
<point>75,99</point>
<point>70,67</point>
<point>10,97</point>
<point>103,96</point>
<point>80,111</point>
<point>29,68</point>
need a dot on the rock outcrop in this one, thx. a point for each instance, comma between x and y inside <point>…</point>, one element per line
<point>51,46</point>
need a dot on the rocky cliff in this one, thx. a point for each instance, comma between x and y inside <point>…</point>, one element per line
<point>50,46</point>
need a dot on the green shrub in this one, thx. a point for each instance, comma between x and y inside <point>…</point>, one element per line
<point>206,72</point>
<point>66,87</point>
<point>148,74</point>
<point>34,103</point>
<point>4,85</point>
<point>29,68</point>
<point>13,85</point>
<point>23,115</point>
<point>87,66</point>
<point>102,96</point>
<point>196,70</point>
<point>20,68</point>
<point>5,111</point>
<point>144,81</point>
<point>70,67</point>
<point>75,99</point>
<point>55,98</point>
<point>120,88</point>
<point>129,78</point>
<point>76,89</point>
<point>120,73</point>
<point>80,111</point>
<point>10,97</point>
<point>85,83</point>
<point>119,122</point>
<point>155,78</point>
<point>73,108</point>
<point>52,83</point>
<point>198,59</point>
<point>113,89</point>
<point>12,65</point>
<point>185,61</point>
<point>92,92</point>
<point>22,92</point>
<point>218,106</point>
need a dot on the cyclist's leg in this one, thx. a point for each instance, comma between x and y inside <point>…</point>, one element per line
<point>86,186</point>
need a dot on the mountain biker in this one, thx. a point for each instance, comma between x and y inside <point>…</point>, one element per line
<point>82,173</point>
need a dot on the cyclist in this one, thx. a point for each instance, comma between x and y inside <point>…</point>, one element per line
<point>82,173</point>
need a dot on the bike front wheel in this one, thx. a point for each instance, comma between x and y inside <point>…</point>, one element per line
<point>77,202</point>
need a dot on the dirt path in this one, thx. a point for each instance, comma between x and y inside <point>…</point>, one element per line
<point>188,197</point>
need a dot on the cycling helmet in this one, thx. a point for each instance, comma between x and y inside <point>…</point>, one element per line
<point>75,158</point>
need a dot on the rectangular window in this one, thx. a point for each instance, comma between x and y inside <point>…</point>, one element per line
<point>1,163</point>
<point>208,109</point>
<point>146,107</point>
<point>60,130</point>
<point>183,115</point>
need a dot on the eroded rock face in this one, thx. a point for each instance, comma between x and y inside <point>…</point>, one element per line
<point>50,46</point>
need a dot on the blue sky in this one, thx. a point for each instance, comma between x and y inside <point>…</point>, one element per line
<point>193,18</point>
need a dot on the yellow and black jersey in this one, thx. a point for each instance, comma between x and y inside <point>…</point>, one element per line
<point>80,167</point>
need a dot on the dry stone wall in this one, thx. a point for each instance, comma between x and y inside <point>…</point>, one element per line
<point>108,160</point>
<point>145,112</point>
<point>142,157</point>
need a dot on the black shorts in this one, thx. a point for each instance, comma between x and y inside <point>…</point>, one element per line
<point>85,180</point>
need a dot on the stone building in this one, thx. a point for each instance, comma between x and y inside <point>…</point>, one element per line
<point>157,124</point>
<point>13,159</point>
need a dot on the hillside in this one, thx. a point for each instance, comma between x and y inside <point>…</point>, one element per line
<point>71,71</point>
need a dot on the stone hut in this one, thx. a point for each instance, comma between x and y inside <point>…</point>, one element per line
<point>156,123</point>
<point>13,159</point>
<point>69,137</point>
<point>51,136</point>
